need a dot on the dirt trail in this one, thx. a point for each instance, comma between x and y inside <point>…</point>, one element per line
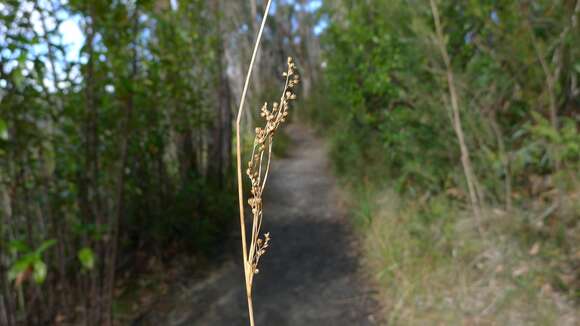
<point>309,276</point>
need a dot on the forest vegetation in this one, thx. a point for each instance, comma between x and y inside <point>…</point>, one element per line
<point>452,127</point>
<point>455,126</point>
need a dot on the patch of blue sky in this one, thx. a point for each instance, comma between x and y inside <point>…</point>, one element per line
<point>69,36</point>
<point>313,5</point>
<point>320,26</point>
<point>72,37</point>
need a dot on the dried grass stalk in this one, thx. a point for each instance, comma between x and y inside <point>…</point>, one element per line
<point>259,166</point>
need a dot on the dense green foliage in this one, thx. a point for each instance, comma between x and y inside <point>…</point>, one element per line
<point>105,154</point>
<point>389,90</point>
<point>389,116</point>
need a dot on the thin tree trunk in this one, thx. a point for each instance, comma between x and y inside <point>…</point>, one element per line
<point>7,308</point>
<point>227,126</point>
<point>221,151</point>
<point>48,176</point>
<point>187,154</point>
<point>255,29</point>
<point>305,41</point>
<point>93,295</point>
<point>7,305</point>
<point>126,132</point>
<point>465,159</point>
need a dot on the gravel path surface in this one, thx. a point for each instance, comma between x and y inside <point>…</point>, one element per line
<point>310,274</point>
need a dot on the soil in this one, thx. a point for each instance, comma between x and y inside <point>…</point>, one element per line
<point>311,274</point>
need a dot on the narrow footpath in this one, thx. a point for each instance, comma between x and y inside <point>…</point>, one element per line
<point>311,274</point>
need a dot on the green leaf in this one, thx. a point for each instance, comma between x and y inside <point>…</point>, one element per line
<point>87,258</point>
<point>45,245</point>
<point>40,271</point>
<point>3,130</point>
<point>21,265</point>
<point>16,246</point>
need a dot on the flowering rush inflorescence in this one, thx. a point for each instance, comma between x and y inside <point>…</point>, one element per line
<point>258,171</point>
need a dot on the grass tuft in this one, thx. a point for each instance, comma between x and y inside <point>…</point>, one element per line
<point>433,268</point>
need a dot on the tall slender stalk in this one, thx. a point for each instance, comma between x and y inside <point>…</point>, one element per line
<point>239,166</point>
<point>465,159</point>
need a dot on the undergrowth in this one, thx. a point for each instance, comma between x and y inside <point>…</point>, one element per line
<point>421,244</point>
<point>433,268</point>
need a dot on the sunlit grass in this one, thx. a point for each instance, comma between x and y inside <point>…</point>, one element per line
<point>432,268</point>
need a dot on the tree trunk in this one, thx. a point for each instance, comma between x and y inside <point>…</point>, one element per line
<point>7,304</point>
<point>305,42</point>
<point>90,177</point>
<point>222,130</point>
<point>115,223</point>
<point>255,28</point>
<point>57,224</point>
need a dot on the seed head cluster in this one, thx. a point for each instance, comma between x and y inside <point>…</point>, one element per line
<point>259,166</point>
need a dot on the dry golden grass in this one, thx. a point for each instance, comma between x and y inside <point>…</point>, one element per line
<point>259,165</point>
<point>443,273</point>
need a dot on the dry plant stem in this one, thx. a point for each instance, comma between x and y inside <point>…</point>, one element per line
<point>258,173</point>
<point>465,160</point>
<point>259,168</point>
<point>239,166</point>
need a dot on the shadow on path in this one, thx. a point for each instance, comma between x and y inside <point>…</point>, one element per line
<point>310,274</point>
